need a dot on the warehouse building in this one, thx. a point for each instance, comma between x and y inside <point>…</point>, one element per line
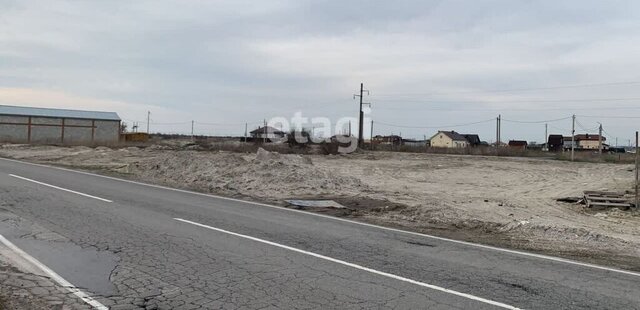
<point>58,126</point>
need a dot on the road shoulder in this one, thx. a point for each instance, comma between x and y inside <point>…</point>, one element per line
<point>23,288</point>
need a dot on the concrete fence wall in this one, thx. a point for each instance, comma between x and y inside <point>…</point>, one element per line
<point>50,130</point>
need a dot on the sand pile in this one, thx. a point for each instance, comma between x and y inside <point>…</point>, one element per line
<point>265,174</point>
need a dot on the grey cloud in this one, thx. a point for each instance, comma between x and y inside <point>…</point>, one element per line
<point>235,61</point>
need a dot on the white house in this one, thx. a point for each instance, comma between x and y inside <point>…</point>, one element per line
<point>449,139</point>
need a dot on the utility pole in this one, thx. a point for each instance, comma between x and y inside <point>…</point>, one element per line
<point>371,139</point>
<point>349,128</point>
<point>546,137</point>
<point>637,172</point>
<point>600,139</point>
<point>264,138</point>
<point>360,116</point>
<point>573,135</point>
<point>360,138</point>
<point>148,119</point>
<point>192,129</point>
<point>498,129</point>
<point>246,127</point>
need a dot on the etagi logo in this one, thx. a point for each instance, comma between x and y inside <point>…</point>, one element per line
<point>320,129</point>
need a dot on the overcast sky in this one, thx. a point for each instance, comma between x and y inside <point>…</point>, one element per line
<point>426,63</point>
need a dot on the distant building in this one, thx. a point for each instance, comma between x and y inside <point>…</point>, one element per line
<point>588,141</point>
<point>536,146</point>
<point>58,126</point>
<point>518,144</point>
<point>387,140</point>
<point>135,136</point>
<point>415,143</point>
<point>583,142</point>
<point>449,139</point>
<point>568,142</point>
<point>473,139</point>
<point>555,143</point>
<point>617,150</point>
<point>268,133</point>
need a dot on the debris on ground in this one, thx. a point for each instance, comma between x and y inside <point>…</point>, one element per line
<point>602,199</point>
<point>315,203</point>
<point>571,199</point>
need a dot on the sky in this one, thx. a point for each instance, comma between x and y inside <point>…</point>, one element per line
<point>428,65</point>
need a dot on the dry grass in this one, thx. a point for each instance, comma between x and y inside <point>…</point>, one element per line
<point>253,147</point>
<point>579,156</point>
<point>231,144</point>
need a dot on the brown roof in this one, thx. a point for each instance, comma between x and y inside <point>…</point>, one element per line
<point>589,137</point>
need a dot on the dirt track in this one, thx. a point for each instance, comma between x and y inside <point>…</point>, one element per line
<point>494,200</point>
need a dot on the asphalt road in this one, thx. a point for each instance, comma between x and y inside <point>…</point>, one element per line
<point>133,245</point>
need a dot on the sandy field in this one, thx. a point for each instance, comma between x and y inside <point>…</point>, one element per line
<point>503,201</point>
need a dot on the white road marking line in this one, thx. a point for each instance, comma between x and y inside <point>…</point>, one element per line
<point>471,244</point>
<point>60,188</point>
<point>54,276</point>
<point>356,266</point>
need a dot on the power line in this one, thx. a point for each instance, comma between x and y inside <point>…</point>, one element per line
<point>518,101</point>
<point>606,134</point>
<point>514,89</point>
<point>227,124</point>
<point>601,116</point>
<point>196,122</point>
<point>169,124</point>
<point>583,127</point>
<point>151,121</point>
<point>537,122</point>
<point>561,129</point>
<point>431,127</point>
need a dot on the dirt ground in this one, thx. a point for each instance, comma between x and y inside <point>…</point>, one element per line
<point>503,201</point>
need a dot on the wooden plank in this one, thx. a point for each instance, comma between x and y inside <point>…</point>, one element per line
<point>596,198</point>
<point>610,204</point>
<point>603,193</point>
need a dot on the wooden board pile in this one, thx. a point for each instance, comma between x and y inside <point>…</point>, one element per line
<point>598,199</point>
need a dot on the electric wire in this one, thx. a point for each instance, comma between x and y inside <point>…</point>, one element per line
<point>514,89</point>
<point>513,101</point>
<point>430,127</point>
<point>602,116</point>
<point>537,122</point>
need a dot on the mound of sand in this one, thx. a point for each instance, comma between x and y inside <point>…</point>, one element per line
<point>267,174</point>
